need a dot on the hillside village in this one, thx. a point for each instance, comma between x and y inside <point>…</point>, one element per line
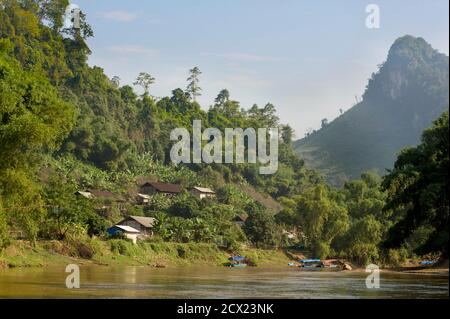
<point>139,227</point>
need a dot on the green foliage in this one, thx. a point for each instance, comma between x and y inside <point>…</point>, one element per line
<point>396,257</point>
<point>33,117</point>
<point>65,126</point>
<point>231,195</point>
<point>322,219</point>
<point>193,87</point>
<point>69,213</point>
<point>145,80</point>
<point>364,253</point>
<point>262,230</point>
<point>419,185</point>
<point>185,206</point>
<point>4,233</point>
<point>361,242</point>
<point>22,202</point>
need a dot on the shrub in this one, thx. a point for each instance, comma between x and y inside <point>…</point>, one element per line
<point>322,250</point>
<point>181,252</point>
<point>395,257</point>
<point>363,254</point>
<point>119,247</point>
<point>85,251</point>
<point>4,235</point>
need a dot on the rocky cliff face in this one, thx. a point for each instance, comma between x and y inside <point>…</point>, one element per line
<point>408,92</point>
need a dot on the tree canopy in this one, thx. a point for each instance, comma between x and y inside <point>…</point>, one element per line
<point>419,186</point>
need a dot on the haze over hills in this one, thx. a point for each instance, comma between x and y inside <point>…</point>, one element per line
<point>409,91</point>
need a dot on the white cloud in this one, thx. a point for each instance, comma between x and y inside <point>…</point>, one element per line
<point>120,16</point>
<point>244,57</point>
<point>132,49</point>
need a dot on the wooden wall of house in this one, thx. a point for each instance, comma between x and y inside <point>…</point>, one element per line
<point>136,225</point>
<point>148,190</point>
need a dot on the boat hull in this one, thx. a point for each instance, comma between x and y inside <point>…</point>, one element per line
<point>237,265</point>
<point>325,269</point>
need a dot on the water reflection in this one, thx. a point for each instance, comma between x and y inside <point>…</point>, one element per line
<point>145,282</point>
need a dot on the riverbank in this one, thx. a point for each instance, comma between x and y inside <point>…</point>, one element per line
<point>441,268</point>
<point>124,253</point>
<point>157,254</point>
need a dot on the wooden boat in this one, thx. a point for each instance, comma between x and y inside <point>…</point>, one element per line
<point>237,262</point>
<point>319,265</point>
<point>311,264</point>
<point>238,265</point>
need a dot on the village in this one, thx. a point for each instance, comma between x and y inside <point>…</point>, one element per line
<point>141,228</point>
<point>137,228</point>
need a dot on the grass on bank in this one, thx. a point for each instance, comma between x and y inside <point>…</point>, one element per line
<point>124,253</point>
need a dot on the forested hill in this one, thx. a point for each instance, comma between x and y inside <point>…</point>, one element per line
<point>59,113</point>
<point>66,127</point>
<point>409,91</point>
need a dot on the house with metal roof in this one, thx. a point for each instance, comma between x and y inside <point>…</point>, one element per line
<point>86,194</point>
<point>143,224</point>
<point>152,188</point>
<point>143,199</point>
<point>126,231</point>
<point>240,220</point>
<point>202,192</point>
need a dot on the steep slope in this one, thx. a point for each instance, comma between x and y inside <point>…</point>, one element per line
<point>409,91</point>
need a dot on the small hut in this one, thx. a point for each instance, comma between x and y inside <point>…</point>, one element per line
<point>152,188</point>
<point>127,231</point>
<point>202,192</point>
<point>143,224</point>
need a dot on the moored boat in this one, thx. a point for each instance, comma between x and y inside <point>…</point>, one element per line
<point>238,265</point>
<point>319,265</point>
<point>237,262</point>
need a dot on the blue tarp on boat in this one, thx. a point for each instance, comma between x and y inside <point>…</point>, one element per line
<point>307,261</point>
<point>237,258</point>
<point>427,262</point>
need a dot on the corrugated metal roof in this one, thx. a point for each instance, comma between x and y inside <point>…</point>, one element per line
<point>165,188</point>
<point>85,194</point>
<point>100,193</point>
<point>128,229</point>
<point>205,190</point>
<point>240,218</point>
<point>144,221</point>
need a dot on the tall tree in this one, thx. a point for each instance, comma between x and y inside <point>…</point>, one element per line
<point>33,121</point>
<point>321,220</point>
<point>223,97</point>
<point>419,185</point>
<point>145,80</point>
<point>4,234</point>
<point>53,11</point>
<point>33,118</point>
<point>193,87</point>
<point>287,134</point>
<point>115,80</point>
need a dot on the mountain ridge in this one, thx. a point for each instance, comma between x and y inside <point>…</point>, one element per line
<point>407,93</point>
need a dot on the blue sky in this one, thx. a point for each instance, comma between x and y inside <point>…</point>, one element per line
<point>308,58</point>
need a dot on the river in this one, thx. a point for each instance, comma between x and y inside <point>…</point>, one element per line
<point>187,283</point>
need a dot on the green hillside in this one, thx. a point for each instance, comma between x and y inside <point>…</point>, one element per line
<point>408,92</point>
<point>66,127</point>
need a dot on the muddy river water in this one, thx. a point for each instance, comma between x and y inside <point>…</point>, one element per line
<point>186,283</point>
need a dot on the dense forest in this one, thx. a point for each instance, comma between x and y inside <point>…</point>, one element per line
<point>402,99</point>
<point>65,126</point>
